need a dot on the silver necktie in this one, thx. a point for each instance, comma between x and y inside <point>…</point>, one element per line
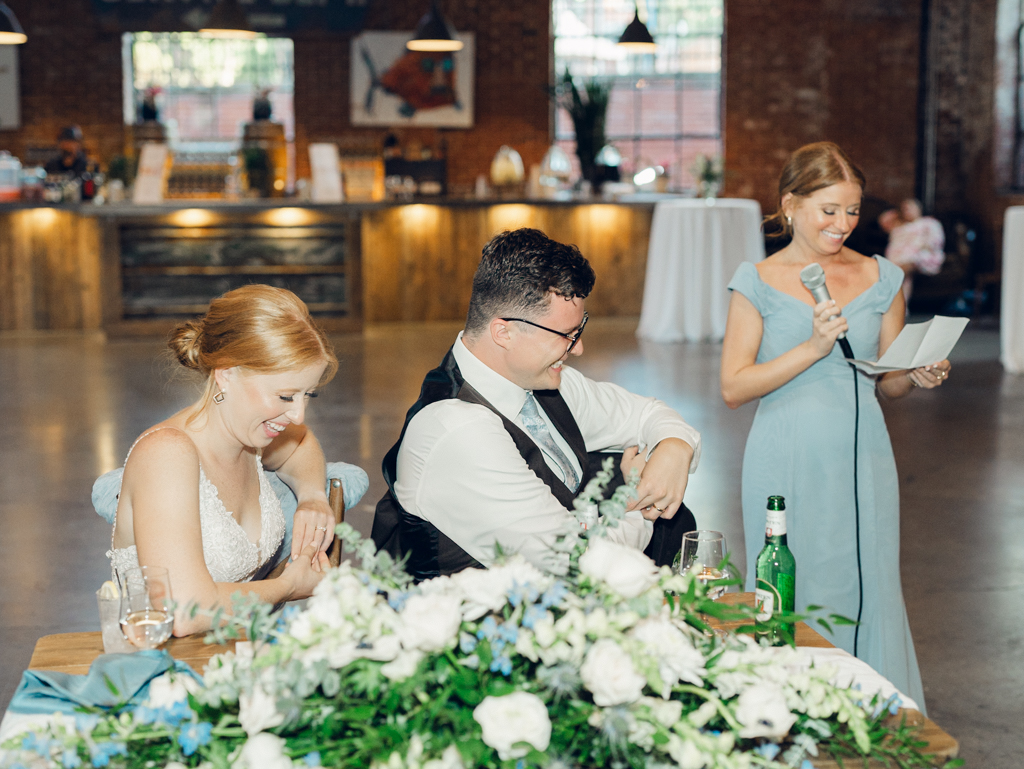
<point>538,430</point>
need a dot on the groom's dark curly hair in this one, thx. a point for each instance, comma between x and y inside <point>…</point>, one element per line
<point>517,274</point>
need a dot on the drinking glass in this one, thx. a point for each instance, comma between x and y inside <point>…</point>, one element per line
<point>147,614</point>
<point>702,556</point>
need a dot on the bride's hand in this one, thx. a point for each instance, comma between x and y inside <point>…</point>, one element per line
<point>313,525</point>
<point>305,572</point>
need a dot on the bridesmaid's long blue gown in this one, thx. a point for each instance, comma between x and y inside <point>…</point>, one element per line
<point>801,446</point>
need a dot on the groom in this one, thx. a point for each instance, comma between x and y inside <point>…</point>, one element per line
<point>504,435</point>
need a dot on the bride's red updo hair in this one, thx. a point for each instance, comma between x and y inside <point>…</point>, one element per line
<point>260,328</point>
<point>809,169</point>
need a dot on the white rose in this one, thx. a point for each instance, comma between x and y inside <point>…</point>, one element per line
<point>626,571</point>
<point>763,712</point>
<point>257,711</point>
<point>166,690</point>
<point>450,759</point>
<point>665,712</point>
<point>685,753</point>
<point>402,666</point>
<point>514,718</point>
<point>609,674</point>
<point>485,590</point>
<point>263,751</point>
<point>677,659</point>
<point>430,622</point>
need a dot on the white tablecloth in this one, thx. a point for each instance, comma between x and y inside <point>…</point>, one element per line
<point>1011,314</point>
<point>695,248</point>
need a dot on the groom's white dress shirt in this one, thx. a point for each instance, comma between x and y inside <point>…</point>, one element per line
<point>459,469</point>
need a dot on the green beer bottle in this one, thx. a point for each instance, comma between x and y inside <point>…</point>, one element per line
<point>776,573</point>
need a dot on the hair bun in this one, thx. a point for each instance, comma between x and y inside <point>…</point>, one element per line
<point>185,343</point>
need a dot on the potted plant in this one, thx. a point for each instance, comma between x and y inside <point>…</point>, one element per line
<point>587,108</point>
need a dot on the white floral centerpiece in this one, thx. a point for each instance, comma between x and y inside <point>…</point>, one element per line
<point>607,666</point>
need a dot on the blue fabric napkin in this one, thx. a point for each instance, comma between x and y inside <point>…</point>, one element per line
<point>45,692</point>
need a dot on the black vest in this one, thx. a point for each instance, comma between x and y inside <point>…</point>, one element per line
<point>430,552</point>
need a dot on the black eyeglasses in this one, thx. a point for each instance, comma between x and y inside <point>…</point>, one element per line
<point>573,337</point>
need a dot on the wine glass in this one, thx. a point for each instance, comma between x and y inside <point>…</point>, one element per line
<point>702,556</point>
<point>147,614</point>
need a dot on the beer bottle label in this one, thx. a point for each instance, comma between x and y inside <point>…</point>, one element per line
<point>775,524</point>
<point>766,598</point>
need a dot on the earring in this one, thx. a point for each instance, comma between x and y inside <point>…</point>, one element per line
<point>789,220</point>
<point>219,397</point>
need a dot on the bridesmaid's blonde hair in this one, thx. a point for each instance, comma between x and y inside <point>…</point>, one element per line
<point>809,169</point>
<point>260,328</point>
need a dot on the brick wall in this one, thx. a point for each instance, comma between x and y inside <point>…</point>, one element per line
<point>796,71</point>
<point>805,70</point>
<point>71,72</point>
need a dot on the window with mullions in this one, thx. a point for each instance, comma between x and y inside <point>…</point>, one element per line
<point>664,107</point>
<point>207,85</point>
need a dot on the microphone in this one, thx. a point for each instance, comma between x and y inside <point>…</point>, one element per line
<point>813,278</point>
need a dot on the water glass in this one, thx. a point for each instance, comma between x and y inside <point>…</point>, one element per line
<point>702,556</point>
<point>110,624</point>
<point>147,613</point>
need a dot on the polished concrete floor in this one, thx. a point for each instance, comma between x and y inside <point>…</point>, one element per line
<point>72,404</point>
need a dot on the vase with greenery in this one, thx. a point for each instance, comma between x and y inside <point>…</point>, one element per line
<point>587,107</point>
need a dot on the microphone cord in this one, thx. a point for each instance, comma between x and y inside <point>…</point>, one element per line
<point>856,508</point>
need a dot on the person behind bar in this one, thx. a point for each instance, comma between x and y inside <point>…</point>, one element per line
<point>72,160</point>
<point>504,435</point>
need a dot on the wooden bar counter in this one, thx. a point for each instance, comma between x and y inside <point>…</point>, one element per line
<point>131,269</point>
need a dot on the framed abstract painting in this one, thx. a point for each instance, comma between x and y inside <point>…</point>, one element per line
<point>393,86</point>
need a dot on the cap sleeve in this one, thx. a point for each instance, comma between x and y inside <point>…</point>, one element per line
<point>890,281</point>
<point>748,282</point>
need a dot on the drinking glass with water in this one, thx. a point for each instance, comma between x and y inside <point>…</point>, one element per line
<point>147,612</point>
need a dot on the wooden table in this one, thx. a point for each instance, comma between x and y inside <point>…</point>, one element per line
<point>940,744</point>
<point>75,652</point>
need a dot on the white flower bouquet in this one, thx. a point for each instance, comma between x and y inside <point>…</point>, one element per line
<point>508,667</point>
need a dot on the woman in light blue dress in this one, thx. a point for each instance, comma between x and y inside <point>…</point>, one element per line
<point>780,347</point>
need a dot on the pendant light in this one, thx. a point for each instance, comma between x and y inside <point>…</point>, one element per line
<point>228,20</point>
<point>433,33</point>
<point>11,32</point>
<point>637,38</point>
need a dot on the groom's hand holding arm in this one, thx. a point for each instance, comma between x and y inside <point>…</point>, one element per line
<point>663,479</point>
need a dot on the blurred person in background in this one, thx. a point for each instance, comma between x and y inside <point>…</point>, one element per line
<point>916,242</point>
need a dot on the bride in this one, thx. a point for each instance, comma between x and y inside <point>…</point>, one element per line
<point>194,497</point>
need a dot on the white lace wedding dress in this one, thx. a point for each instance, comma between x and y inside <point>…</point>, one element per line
<point>229,553</point>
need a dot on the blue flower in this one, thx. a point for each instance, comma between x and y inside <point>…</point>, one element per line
<point>769,750</point>
<point>176,713</point>
<point>396,600</point>
<point>554,595</point>
<point>86,722</point>
<point>37,744</point>
<point>806,764</point>
<point>312,759</point>
<point>517,594</point>
<point>488,629</point>
<point>467,643</point>
<point>193,735</point>
<point>502,664</point>
<point>70,759</point>
<point>533,615</point>
<point>102,752</point>
<point>508,633</point>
